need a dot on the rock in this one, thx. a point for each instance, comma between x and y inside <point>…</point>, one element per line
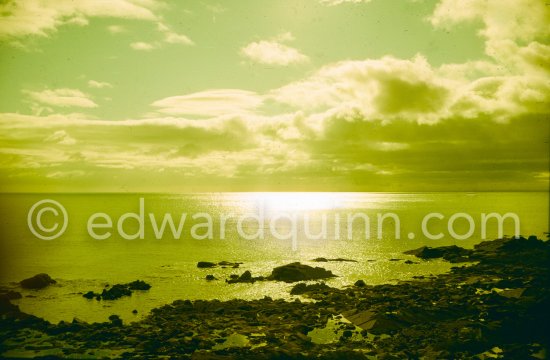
<point>90,295</point>
<point>246,277</point>
<point>322,259</point>
<point>360,283</point>
<point>451,253</point>
<point>39,281</point>
<point>303,288</point>
<point>115,320</point>
<point>210,277</point>
<point>116,292</point>
<point>134,311</point>
<point>11,295</point>
<point>298,272</point>
<point>409,262</point>
<point>7,307</point>
<point>138,285</point>
<point>205,264</point>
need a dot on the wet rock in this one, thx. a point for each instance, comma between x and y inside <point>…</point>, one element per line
<point>451,253</point>
<point>115,320</point>
<point>298,272</point>
<point>90,295</point>
<point>246,277</point>
<point>38,281</point>
<point>138,285</point>
<point>205,264</point>
<point>116,292</point>
<point>11,295</point>
<point>7,307</point>
<point>322,259</point>
<point>303,288</point>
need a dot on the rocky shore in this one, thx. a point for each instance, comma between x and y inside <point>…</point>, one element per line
<point>494,304</point>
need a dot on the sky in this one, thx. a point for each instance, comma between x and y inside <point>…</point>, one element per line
<point>274,95</point>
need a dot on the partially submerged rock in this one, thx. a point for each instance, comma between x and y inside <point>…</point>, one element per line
<point>223,264</point>
<point>117,291</point>
<point>299,272</point>
<point>246,277</point>
<point>451,253</point>
<point>38,281</point>
<point>322,259</point>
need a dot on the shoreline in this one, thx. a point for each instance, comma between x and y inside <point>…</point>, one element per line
<point>496,306</point>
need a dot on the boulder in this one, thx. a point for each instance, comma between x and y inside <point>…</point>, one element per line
<point>39,281</point>
<point>299,272</point>
<point>210,277</point>
<point>451,253</point>
<point>138,285</point>
<point>205,264</point>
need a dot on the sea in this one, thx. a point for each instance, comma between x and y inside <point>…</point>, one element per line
<point>89,241</point>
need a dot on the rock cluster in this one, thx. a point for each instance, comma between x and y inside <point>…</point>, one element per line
<point>117,291</point>
<point>39,281</point>
<point>496,307</point>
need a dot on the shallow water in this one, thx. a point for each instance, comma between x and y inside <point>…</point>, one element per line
<point>80,263</point>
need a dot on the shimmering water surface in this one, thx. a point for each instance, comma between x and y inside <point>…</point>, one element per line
<point>80,263</point>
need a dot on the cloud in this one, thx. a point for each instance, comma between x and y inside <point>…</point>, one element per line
<point>61,137</point>
<point>142,46</point>
<point>116,29</point>
<point>168,37</point>
<point>99,84</point>
<point>273,52</point>
<point>339,2</point>
<point>41,17</point>
<point>171,37</point>
<point>62,98</point>
<point>210,103</point>
<point>515,31</point>
<point>385,88</point>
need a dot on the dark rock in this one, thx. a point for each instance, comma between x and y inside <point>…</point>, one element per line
<point>322,259</point>
<point>246,277</point>
<point>138,285</point>
<point>298,272</point>
<point>451,253</point>
<point>210,277</point>
<point>7,307</point>
<point>115,320</point>
<point>360,283</point>
<point>116,292</point>
<point>134,311</point>
<point>205,264</point>
<point>11,295</point>
<point>303,288</point>
<point>90,295</point>
<point>39,281</point>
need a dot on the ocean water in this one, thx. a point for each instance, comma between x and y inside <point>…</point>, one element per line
<point>80,263</point>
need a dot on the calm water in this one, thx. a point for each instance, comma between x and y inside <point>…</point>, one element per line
<point>80,263</point>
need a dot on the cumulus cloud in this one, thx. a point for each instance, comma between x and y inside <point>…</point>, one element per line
<point>99,84</point>
<point>142,46</point>
<point>41,17</point>
<point>384,88</point>
<point>210,103</point>
<point>168,37</point>
<point>62,98</point>
<point>339,2</point>
<point>61,137</point>
<point>273,52</point>
<point>116,29</point>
